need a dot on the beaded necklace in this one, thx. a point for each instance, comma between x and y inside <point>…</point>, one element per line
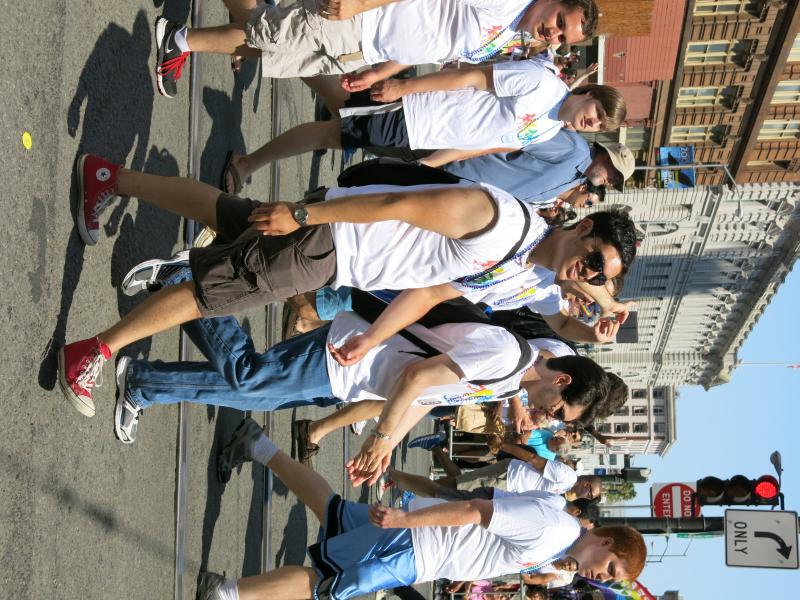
<point>470,280</point>
<point>495,45</point>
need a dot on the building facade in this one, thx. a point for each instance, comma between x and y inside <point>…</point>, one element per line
<point>709,262</point>
<point>720,75</point>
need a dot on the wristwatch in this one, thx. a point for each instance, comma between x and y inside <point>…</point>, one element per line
<point>300,214</point>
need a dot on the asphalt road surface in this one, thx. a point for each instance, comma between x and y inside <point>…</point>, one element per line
<point>82,516</point>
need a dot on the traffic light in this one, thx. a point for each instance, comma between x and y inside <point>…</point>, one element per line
<point>738,490</point>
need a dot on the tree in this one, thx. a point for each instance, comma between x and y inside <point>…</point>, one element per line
<point>619,492</point>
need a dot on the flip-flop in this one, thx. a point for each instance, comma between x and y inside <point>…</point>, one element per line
<point>235,175</point>
<point>236,64</point>
<point>305,449</point>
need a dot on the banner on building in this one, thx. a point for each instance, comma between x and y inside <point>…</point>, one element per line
<point>674,156</point>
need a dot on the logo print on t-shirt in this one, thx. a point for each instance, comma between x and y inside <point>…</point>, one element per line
<point>476,394</point>
<point>527,130</point>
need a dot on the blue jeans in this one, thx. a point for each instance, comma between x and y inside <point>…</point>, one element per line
<point>291,373</point>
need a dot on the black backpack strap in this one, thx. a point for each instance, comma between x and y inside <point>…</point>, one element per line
<point>525,228</point>
<point>388,171</point>
<point>369,307</point>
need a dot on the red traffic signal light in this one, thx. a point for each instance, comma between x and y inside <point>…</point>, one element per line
<point>767,487</point>
<point>738,490</point>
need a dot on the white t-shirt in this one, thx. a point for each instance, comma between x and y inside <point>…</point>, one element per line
<point>481,351</point>
<point>393,255</point>
<point>513,286</point>
<point>555,347</point>
<point>547,301</point>
<point>522,110</point>
<point>521,477</point>
<point>413,32</point>
<point>522,533</point>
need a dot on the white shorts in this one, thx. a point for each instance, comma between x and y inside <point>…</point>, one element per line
<point>296,42</point>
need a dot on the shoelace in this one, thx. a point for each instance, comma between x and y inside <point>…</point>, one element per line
<point>91,372</point>
<point>103,199</point>
<point>174,64</point>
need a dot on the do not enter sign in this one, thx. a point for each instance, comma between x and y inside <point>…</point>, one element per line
<point>674,500</point>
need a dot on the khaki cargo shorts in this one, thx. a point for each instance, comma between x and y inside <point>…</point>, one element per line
<point>296,42</point>
<point>493,476</point>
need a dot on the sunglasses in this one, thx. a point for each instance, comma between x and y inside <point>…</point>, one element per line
<point>595,261</point>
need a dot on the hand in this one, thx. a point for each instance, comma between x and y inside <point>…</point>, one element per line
<point>605,331</point>
<point>340,10</point>
<point>275,218</point>
<point>622,310</point>
<point>370,462</point>
<point>357,82</point>
<point>352,351</point>
<point>386,517</point>
<point>520,417</point>
<point>387,90</point>
<point>593,68</point>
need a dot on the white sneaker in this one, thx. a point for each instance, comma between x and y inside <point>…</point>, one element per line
<point>126,413</point>
<point>150,274</point>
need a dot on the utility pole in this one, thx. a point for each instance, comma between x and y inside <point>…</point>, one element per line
<point>657,526</point>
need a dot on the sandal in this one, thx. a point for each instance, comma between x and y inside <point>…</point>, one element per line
<point>235,175</point>
<point>305,449</point>
<point>291,319</point>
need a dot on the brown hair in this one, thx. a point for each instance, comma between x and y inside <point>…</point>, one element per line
<point>591,14</point>
<point>610,99</point>
<point>628,545</point>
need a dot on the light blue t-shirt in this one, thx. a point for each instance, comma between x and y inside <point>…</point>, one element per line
<point>538,441</point>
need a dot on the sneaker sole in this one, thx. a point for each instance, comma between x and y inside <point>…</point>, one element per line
<point>161,29</point>
<point>81,220</point>
<point>80,405</point>
<point>238,432</point>
<point>129,288</point>
<point>122,367</point>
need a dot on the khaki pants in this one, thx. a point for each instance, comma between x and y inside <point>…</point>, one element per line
<point>296,42</point>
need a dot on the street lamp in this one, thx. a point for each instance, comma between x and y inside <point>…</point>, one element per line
<point>775,459</point>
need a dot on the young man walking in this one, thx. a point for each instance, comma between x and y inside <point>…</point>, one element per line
<point>375,237</point>
<point>503,106</point>
<point>364,549</point>
<point>299,41</point>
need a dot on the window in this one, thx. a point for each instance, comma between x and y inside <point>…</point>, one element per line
<point>716,52</point>
<point>621,428</point>
<point>612,460</point>
<point>640,428</point>
<point>659,427</point>
<point>639,411</point>
<point>604,428</point>
<point>794,55</point>
<point>779,130</point>
<point>622,411</point>
<point>704,8</point>
<point>783,165</point>
<point>687,134</point>
<point>708,97</point>
<point>658,393</point>
<point>658,411</point>
<point>787,92</point>
<point>639,394</point>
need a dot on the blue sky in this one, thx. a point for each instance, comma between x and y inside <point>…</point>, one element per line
<point>728,430</point>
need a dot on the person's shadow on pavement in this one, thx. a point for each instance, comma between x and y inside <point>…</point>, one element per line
<point>117,88</point>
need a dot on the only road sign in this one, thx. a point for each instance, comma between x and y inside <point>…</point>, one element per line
<point>761,538</point>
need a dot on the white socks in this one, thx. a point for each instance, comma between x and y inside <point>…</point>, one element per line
<point>263,449</point>
<point>229,590</point>
<point>180,39</point>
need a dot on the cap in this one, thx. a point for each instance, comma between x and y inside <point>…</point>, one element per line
<point>622,159</point>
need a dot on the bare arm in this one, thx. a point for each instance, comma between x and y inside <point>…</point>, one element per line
<point>446,514</point>
<point>442,157</point>
<point>374,456</point>
<point>603,332</point>
<point>580,80</point>
<point>526,455</point>
<point>409,307</point>
<point>356,82</point>
<point>341,10</point>
<point>479,78</point>
<point>456,212</point>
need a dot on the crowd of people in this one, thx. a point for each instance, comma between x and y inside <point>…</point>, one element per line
<point>455,277</point>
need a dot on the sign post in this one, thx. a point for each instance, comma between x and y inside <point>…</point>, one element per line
<point>761,538</point>
<point>674,500</point>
